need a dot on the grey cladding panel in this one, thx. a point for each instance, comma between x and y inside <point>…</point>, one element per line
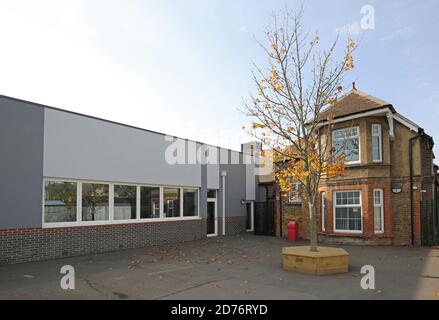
<point>85,148</point>
<point>21,164</point>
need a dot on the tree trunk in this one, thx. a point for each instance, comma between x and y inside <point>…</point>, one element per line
<point>312,227</point>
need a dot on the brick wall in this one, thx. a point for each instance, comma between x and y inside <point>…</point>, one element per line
<point>24,245</point>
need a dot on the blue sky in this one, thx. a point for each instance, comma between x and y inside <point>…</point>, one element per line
<point>183,67</point>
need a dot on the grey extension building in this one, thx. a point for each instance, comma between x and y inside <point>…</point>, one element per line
<point>72,184</point>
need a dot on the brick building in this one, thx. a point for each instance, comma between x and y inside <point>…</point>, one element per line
<point>73,184</point>
<point>389,173</point>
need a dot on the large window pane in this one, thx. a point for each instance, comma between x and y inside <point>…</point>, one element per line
<point>59,201</point>
<point>376,143</point>
<point>190,202</point>
<point>149,202</point>
<point>347,142</point>
<point>94,202</point>
<point>348,211</point>
<point>171,198</point>
<point>125,202</point>
<point>211,193</point>
<point>378,210</point>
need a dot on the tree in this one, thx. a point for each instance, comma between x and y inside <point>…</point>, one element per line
<point>299,83</point>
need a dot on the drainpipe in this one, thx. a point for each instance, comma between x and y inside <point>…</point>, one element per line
<point>223,178</point>
<point>412,225</point>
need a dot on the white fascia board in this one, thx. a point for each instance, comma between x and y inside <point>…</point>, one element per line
<point>406,122</point>
<point>385,111</point>
<point>357,116</point>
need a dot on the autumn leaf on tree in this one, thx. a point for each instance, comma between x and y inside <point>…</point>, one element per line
<point>300,82</point>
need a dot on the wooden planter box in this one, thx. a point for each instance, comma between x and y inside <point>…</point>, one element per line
<point>325,261</point>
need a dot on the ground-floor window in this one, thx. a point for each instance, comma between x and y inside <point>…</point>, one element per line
<point>60,201</point>
<point>347,211</point>
<point>378,210</point>
<point>83,202</point>
<point>95,202</point>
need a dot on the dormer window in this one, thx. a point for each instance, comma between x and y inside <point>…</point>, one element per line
<point>346,142</point>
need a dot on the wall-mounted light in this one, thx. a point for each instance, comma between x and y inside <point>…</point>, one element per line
<point>242,202</point>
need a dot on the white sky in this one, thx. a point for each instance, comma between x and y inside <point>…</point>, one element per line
<point>183,67</point>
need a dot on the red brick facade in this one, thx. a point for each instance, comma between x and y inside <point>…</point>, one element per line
<point>406,163</point>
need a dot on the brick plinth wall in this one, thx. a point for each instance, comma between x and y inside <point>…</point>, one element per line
<point>355,240</point>
<point>24,245</point>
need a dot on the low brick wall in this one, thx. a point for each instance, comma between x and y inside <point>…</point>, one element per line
<point>24,245</point>
<point>359,240</point>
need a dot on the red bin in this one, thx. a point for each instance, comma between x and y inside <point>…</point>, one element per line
<point>293,230</point>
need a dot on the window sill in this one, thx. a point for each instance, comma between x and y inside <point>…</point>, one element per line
<point>293,203</point>
<point>118,222</point>
<point>354,235</point>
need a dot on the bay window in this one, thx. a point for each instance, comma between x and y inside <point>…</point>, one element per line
<point>346,142</point>
<point>347,211</point>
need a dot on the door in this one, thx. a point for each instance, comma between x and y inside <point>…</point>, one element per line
<point>264,218</point>
<point>212,218</point>
<point>250,216</point>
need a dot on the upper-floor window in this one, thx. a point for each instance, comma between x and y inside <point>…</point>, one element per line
<point>294,196</point>
<point>346,142</point>
<point>377,152</point>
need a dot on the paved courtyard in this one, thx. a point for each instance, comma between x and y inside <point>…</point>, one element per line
<point>236,267</point>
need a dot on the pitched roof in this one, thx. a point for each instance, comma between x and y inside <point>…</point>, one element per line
<point>352,103</point>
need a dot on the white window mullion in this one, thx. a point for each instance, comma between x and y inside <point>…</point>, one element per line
<point>181,202</point>
<point>111,202</point>
<point>162,206</point>
<point>79,202</point>
<point>138,203</point>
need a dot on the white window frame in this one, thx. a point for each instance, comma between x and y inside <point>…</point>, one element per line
<point>111,220</point>
<point>349,137</point>
<point>182,200</point>
<point>160,204</point>
<point>296,186</point>
<point>380,139</point>
<point>111,213</point>
<point>347,206</point>
<point>323,210</point>
<point>381,206</point>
